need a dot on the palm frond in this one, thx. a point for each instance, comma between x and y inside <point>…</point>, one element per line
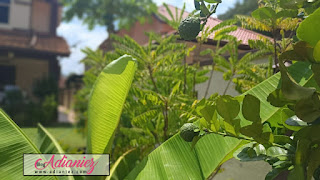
<point>252,23</point>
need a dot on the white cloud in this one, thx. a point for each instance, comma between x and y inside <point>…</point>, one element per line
<point>78,37</point>
<point>78,34</point>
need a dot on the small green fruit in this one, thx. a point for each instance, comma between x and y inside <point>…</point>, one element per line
<point>189,28</point>
<point>187,132</point>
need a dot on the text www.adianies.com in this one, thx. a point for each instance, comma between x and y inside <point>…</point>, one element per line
<point>54,172</point>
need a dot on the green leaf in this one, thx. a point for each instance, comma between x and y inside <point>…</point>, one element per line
<point>204,10</point>
<point>314,162</point>
<point>316,70</point>
<point>282,139</point>
<point>251,108</point>
<point>299,71</point>
<point>290,88</point>
<point>291,121</point>
<point>311,133</point>
<point>46,143</point>
<point>316,52</point>
<point>277,99</point>
<point>287,13</point>
<point>210,114</point>
<point>174,159</point>
<point>260,133</point>
<point>297,173</point>
<point>228,107</point>
<point>207,112</point>
<point>250,152</point>
<point>264,13</point>
<point>158,165</point>
<point>276,151</point>
<point>107,98</point>
<point>274,173</point>
<point>196,5</point>
<point>252,130</point>
<point>14,143</point>
<point>213,1</point>
<point>308,110</point>
<point>304,51</point>
<point>232,126</point>
<point>290,4</point>
<point>292,56</point>
<point>309,29</point>
<point>124,164</point>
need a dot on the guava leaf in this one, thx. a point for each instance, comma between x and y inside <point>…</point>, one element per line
<point>309,29</point>
<point>251,108</point>
<point>290,89</point>
<point>264,13</point>
<point>250,152</point>
<point>284,13</point>
<point>316,70</point>
<point>277,99</point>
<point>308,109</point>
<point>290,4</point>
<point>228,107</point>
<point>196,5</point>
<point>316,52</point>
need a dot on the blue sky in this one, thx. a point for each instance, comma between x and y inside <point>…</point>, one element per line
<point>79,37</point>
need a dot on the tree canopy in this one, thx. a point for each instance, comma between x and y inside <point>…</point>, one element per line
<point>244,8</point>
<point>109,13</point>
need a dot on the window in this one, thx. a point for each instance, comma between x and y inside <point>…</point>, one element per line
<point>7,76</point>
<point>4,11</point>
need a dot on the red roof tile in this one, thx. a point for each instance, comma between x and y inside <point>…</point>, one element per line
<point>21,40</point>
<point>241,34</point>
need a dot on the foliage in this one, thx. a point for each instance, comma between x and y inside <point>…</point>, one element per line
<point>106,102</point>
<point>238,69</point>
<point>15,142</point>
<point>41,108</point>
<point>262,116</point>
<point>239,8</point>
<point>106,13</point>
<point>175,17</point>
<point>96,60</point>
<point>220,118</point>
<point>162,90</point>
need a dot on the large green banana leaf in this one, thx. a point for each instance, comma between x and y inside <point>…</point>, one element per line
<point>105,106</point>
<point>14,143</point>
<point>124,164</point>
<point>174,159</point>
<point>47,144</point>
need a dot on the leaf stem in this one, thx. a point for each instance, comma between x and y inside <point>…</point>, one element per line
<point>243,138</point>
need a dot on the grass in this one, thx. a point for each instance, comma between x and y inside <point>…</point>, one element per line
<point>68,137</point>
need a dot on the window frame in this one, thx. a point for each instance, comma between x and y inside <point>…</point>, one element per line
<point>9,5</point>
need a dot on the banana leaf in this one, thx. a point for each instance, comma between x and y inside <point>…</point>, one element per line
<point>174,159</point>
<point>106,102</point>
<point>14,143</point>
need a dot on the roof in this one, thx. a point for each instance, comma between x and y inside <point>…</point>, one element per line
<point>241,34</point>
<point>40,43</point>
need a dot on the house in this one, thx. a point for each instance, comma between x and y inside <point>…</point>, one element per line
<point>157,25</point>
<point>29,45</point>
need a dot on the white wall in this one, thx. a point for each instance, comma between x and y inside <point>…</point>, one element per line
<point>218,84</point>
<point>19,17</point>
